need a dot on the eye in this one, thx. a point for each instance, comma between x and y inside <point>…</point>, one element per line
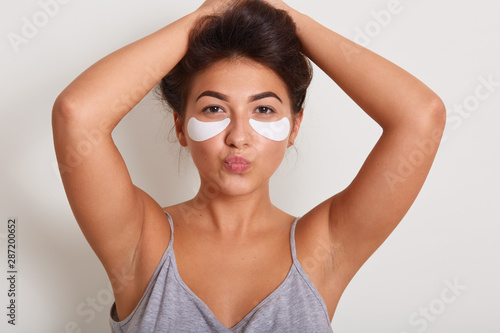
<point>213,109</point>
<point>264,110</point>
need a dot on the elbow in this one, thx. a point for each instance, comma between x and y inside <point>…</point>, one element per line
<point>433,115</point>
<point>67,111</point>
<point>62,110</point>
<point>69,115</point>
<point>437,112</point>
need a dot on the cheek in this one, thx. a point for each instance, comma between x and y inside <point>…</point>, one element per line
<point>203,152</point>
<point>271,153</point>
<point>272,138</point>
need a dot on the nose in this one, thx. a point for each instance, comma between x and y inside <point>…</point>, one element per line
<point>238,132</point>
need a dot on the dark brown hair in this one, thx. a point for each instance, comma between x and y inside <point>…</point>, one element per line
<point>248,29</point>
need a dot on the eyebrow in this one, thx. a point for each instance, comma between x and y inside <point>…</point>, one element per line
<point>213,94</point>
<point>250,99</point>
<point>264,95</point>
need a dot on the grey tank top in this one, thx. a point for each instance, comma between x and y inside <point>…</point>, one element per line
<point>168,305</point>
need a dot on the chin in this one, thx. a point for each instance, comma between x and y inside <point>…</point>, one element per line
<point>235,188</point>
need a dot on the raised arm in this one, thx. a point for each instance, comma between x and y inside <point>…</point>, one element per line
<point>412,117</point>
<point>110,210</point>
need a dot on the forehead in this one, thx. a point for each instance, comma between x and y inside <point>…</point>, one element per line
<point>238,78</point>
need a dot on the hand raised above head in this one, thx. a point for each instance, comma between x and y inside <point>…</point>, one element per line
<point>218,6</point>
<point>278,4</point>
<point>215,6</point>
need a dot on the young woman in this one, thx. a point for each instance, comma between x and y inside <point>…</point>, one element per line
<point>236,81</point>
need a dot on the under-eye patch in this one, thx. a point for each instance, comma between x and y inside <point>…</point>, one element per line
<point>202,130</point>
<point>275,130</point>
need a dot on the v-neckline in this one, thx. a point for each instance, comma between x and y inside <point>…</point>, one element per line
<point>249,314</point>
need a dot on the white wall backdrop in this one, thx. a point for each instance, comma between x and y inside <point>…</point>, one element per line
<point>438,272</point>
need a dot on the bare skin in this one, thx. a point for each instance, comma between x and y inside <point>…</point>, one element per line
<point>246,236</point>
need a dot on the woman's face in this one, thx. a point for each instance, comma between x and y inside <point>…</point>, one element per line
<point>239,159</point>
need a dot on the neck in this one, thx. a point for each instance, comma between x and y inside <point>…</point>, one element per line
<point>234,215</point>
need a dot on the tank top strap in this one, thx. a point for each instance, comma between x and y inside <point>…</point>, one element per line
<point>292,239</point>
<point>171,242</point>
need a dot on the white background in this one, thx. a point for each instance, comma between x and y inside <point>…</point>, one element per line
<point>450,233</point>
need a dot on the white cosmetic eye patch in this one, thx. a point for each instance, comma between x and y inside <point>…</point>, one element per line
<point>202,130</point>
<point>275,130</point>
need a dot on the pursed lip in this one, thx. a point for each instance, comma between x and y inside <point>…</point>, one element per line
<point>236,160</point>
<point>237,164</point>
